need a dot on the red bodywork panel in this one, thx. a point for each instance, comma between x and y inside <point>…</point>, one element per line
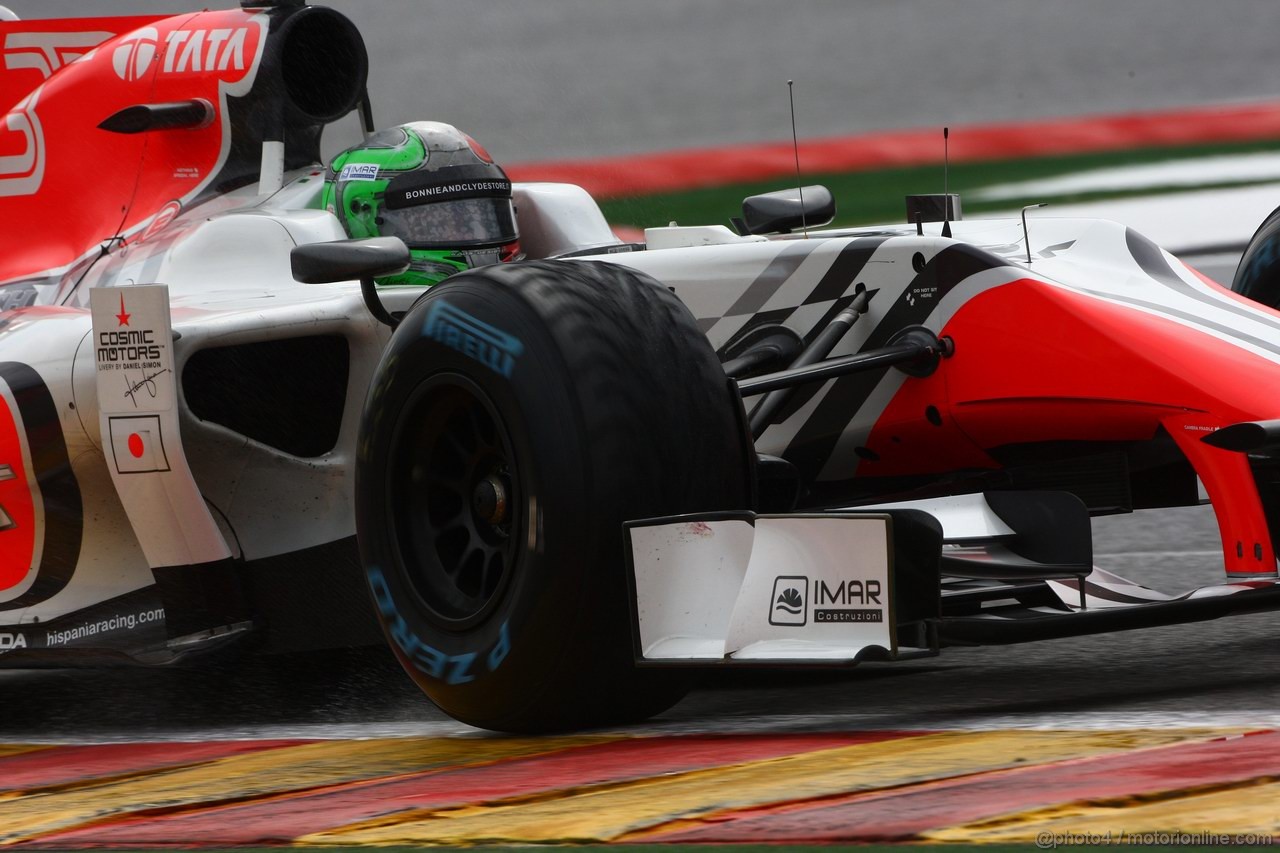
<point>34,50</point>
<point>66,185</point>
<point>1038,363</point>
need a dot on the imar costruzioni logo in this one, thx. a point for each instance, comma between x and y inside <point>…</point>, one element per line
<point>789,604</point>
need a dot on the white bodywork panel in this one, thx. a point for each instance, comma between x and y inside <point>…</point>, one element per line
<point>962,517</point>
<point>556,219</point>
<point>762,588</point>
<point>688,236</point>
<point>230,283</point>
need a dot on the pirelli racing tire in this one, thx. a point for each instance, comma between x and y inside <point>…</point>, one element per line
<point>1258,274</point>
<point>520,414</point>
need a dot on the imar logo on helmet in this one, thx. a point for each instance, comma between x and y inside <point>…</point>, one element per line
<point>359,172</point>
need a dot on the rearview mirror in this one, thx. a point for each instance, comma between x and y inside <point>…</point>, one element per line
<point>344,260</point>
<point>782,212</point>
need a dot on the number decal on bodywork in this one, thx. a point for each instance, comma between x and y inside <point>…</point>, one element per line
<point>17,514</point>
<point>59,504</point>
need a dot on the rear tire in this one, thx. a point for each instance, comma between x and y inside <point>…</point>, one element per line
<point>1258,275</point>
<point>519,415</point>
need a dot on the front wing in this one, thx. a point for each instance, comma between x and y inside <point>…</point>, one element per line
<point>892,582</point>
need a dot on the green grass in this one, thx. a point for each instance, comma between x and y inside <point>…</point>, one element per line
<point>870,197</point>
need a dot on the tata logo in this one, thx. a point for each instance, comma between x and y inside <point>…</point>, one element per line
<point>222,49</point>
<point>11,642</point>
<point>133,55</point>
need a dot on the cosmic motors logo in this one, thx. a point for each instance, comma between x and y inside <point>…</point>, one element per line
<point>789,604</point>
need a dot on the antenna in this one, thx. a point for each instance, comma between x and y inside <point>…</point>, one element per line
<point>946,192</point>
<point>1026,235</point>
<point>795,147</point>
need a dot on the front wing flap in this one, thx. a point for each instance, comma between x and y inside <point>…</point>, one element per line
<point>741,588</point>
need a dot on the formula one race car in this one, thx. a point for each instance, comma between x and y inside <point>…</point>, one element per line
<point>567,482</point>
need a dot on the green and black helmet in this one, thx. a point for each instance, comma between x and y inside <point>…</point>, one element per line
<point>432,186</point>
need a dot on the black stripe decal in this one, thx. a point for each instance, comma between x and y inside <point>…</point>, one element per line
<point>816,440</point>
<point>1150,258</point>
<point>776,274</point>
<point>1194,320</point>
<point>846,267</point>
<point>60,494</point>
<point>1102,593</point>
<point>838,279</point>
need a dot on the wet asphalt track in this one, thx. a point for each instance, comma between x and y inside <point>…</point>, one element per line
<point>564,78</point>
<point>1225,672</point>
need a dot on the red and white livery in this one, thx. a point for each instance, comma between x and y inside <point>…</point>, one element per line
<point>558,485</point>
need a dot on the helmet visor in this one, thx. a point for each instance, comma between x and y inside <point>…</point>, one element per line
<point>451,224</point>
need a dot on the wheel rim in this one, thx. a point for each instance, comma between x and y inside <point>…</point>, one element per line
<point>456,500</point>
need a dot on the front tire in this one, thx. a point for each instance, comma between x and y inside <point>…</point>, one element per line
<point>520,414</point>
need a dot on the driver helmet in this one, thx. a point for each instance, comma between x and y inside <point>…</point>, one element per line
<point>432,186</point>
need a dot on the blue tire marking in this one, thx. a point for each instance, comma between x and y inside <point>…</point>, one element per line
<point>452,669</point>
<point>474,338</point>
